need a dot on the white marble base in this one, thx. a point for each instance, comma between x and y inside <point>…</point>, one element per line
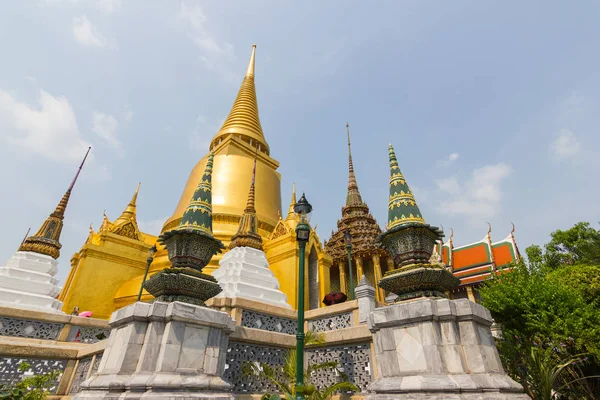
<point>164,351</point>
<point>27,281</point>
<point>437,349</point>
<point>244,272</point>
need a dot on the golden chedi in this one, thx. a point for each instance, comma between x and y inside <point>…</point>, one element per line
<point>235,146</point>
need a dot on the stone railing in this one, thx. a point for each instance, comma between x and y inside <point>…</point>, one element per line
<point>49,342</point>
<point>263,333</point>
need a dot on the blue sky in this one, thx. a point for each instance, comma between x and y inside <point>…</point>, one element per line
<point>493,107</point>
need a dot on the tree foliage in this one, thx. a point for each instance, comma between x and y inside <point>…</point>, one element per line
<point>549,311</point>
<point>36,387</point>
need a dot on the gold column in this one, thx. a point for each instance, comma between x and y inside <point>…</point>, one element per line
<point>390,263</point>
<point>377,272</point>
<point>359,269</point>
<point>470,294</point>
<point>343,282</point>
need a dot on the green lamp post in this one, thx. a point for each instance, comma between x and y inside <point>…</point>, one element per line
<point>348,240</point>
<point>303,209</point>
<point>151,253</point>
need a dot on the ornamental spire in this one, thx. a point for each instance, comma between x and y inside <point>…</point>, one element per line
<point>198,214</point>
<point>291,215</point>
<point>243,120</point>
<point>247,234</point>
<point>402,207</point>
<point>353,197</point>
<point>46,240</point>
<point>131,209</point>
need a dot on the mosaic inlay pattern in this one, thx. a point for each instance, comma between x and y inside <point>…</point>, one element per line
<point>29,329</point>
<point>331,323</point>
<point>10,374</point>
<point>86,334</point>
<point>240,353</point>
<point>81,374</point>
<point>354,362</point>
<point>253,319</point>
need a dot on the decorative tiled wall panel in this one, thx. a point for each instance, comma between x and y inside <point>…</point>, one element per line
<point>29,329</point>
<point>81,374</point>
<point>86,334</point>
<point>331,323</point>
<point>354,362</point>
<point>240,353</point>
<point>10,374</point>
<point>253,319</point>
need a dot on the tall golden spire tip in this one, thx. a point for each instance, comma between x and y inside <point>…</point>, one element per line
<point>250,71</point>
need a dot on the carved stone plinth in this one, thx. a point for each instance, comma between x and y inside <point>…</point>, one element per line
<point>163,351</point>
<point>182,284</point>
<point>437,349</point>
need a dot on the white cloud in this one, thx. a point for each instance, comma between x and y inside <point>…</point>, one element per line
<point>453,157</point>
<point>105,126</point>
<point>86,34</point>
<point>152,226</point>
<point>214,51</point>
<point>479,197</point>
<point>566,145</point>
<point>49,130</point>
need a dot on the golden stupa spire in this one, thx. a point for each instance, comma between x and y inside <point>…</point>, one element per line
<point>126,224</point>
<point>291,215</point>
<point>46,240</point>
<point>353,197</point>
<point>243,120</point>
<point>247,234</point>
<point>131,209</point>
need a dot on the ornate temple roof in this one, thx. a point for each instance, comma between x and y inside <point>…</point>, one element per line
<point>356,218</point>
<point>126,225</point>
<point>475,262</point>
<point>247,234</point>
<point>46,240</point>
<point>198,214</point>
<point>243,119</point>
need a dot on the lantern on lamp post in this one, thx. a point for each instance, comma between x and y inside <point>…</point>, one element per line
<point>303,209</point>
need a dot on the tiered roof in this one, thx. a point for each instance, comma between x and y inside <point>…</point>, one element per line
<point>357,218</point>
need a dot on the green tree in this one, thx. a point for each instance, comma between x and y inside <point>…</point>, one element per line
<point>284,377</point>
<point>551,303</point>
<point>35,387</point>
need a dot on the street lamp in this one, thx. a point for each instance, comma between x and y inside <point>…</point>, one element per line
<point>348,240</point>
<point>303,209</point>
<point>151,253</point>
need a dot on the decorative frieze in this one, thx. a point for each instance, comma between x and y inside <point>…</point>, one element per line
<point>81,374</point>
<point>10,374</point>
<point>240,353</point>
<point>354,365</point>
<point>331,323</point>
<point>266,322</point>
<point>85,334</point>
<point>29,329</point>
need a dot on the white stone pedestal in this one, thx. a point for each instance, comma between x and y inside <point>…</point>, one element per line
<point>437,349</point>
<point>27,281</point>
<point>163,351</point>
<point>244,272</point>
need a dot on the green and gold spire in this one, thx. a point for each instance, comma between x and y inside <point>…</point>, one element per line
<point>402,207</point>
<point>198,214</point>
<point>46,240</point>
<point>247,234</point>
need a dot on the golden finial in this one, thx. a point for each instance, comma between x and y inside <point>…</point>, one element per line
<point>250,70</point>
<point>451,233</point>
<point>513,229</point>
<point>243,120</point>
<point>489,228</point>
